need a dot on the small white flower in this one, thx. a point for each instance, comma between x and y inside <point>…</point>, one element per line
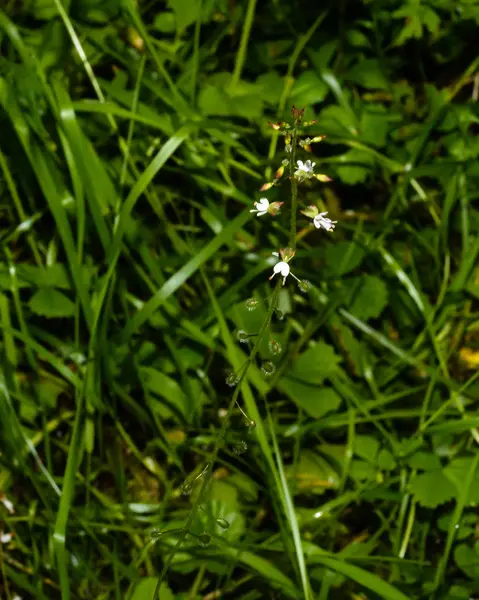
<point>283,268</point>
<point>305,170</point>
<point>17,597</point>
<point>5,537</point>
<point>8,504</point>
<point>288,148</point>
<point>322,221</point>
<point>261,207</point>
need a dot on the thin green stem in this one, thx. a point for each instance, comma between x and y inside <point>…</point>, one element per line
<point>294,189</point>
<point>241,56</point>
<point>208,470</point>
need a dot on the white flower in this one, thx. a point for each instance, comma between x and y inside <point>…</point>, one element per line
<point>8,504</point>
<point>17,597</point>
<point>288,148</point>
<point>305,170</point>
<point>283,268</point>
<point>261,207</point>
<point>5,537</point>
<point>322,221</point>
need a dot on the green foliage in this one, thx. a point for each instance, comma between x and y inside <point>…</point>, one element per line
<point>134,141</point>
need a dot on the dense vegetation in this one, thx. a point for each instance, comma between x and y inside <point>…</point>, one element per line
<point>134,139</point>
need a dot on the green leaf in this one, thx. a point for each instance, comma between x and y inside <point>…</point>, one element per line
<point>354,166</point>
<point>386,460</point>
<point>467,560</point>
<point>374,126</point>
<point>308,89</point>
<point>369,298</point>
<point>146,587</point>
<point>166,387</point>
<point>366,447</point>
<point>457,471</point>
<point>313,473</point>
<point>52,276</point>
<point>165,22</point>
<point>315,364</point>
<point>51,303</point>
<point>425,461</point>
<point>186,12</point>
<point>315,401</point>
<point>368,74</point>
<point>343,257</point>
<point>432,489</point>
<point>216,98</point>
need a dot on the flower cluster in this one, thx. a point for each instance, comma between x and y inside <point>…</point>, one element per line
<point>301,172</point>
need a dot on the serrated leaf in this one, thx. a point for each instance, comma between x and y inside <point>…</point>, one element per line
<point>368,73</point>
<point>315,364</point>
<point>313,473</point>
<point>370,297</point>
<point>315,401</point>
<point>425,461</point>
<point>386,460</point>
<point>432,489</point>
<point>146,587</point>
<point>356,168</point>
<point>343,257</point>
<point>366,446</point>
<point>467,560</point>
<point>51,303</point>
<point>457,471</point>
<point>308,89</point>
<point>186,12</point>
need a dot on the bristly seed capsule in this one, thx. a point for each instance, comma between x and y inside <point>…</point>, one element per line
<point>240,448</point>
<point>242,336</point>
<point>274,347</point>
<point>232,379</point>
<point>304,285</point>
<point>268,368</point>
<point>252,304</point>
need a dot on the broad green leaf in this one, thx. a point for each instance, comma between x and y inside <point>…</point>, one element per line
<point>50,303</point>
<point>368,74</point>
<point>432,488</point>
<point>457,472</point>
<point>366,446</point>
<point>467,560</point>
<point>354,166</point>
<point>315,401</point>
<point>161,385</point>
<point>146,587</point>
<point>425,461</point>
<point>369,296</point>
<point>343,257</point>
<point>308,89</point>
<point>315,364</point>
<point>186,12</point>
<point>313,473</point>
